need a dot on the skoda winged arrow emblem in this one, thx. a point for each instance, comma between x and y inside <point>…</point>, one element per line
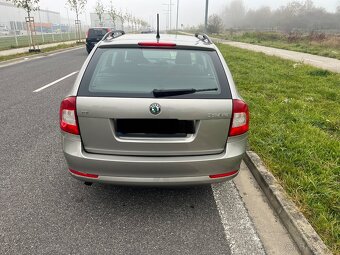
<point>155,108</point>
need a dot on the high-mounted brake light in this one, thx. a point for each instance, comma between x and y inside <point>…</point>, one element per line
<point>156,44</point>
<point>68,116</point>
<point>94,176</point>
<point>240,118</point>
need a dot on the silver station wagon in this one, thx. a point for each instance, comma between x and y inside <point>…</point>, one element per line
<point>149,110</point>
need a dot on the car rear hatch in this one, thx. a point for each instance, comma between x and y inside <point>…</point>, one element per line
<point>94,35</point>
<point>119,114</point>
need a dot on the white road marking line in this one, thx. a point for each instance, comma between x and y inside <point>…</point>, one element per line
<point>63,51</point>
<point>55,82</point>
<point>239,230</point>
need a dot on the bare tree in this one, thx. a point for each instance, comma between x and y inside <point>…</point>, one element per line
<point>134,22</point>
<point>215,24</point>
<point>144,24</point>
<point>99,8</point>
<point>129,19</point>
<point>258,18</point>
<point>113,14</point>
<point>28,6</point>
<point>234,13</point>
<point>294,16</point>
<point>122,18</point>
<point>78,7</point>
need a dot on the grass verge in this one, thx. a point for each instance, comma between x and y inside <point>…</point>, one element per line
<point>328,47</point>
<point>295,128</point>
<point>45,50</point>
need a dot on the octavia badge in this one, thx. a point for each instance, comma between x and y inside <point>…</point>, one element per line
<point>155,108</point>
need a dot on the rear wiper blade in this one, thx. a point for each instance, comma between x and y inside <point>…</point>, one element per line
<point>177,92</point>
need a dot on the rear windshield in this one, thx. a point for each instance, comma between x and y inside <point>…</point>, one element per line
<point>97,32</point>
<point>136,72</point>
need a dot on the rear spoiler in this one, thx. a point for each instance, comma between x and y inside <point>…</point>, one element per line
<point>113,34</point>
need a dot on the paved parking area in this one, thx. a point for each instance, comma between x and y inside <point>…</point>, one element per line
<point>45,211</point>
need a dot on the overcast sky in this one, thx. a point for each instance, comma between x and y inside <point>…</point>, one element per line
<point>191,12</point>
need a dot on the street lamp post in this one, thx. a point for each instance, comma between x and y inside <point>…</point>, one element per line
<point>206,16</point>
<point>68,25</point>
<point>41,30</point>
<point>177,16</point>
<point>170,5</point>
<point>167,13</point>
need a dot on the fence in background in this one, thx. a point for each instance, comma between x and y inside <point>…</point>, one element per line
<point>10,42</point>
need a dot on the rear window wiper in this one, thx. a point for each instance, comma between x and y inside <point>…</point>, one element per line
<point>177,92</point>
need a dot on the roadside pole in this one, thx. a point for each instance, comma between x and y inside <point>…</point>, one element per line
<point>167,13</point>
<point>78,27</point>
<point>32,32</point>
<point>170,6</point>
<point>61,33</point>
<point>206,16</point>
<point>41,31</point>
<point>15,34</point>
<point>177,16</point>
<point>69,25</point>
<point>52,32</point>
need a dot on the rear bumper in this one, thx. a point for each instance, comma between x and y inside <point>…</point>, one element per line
<point>139,170</point>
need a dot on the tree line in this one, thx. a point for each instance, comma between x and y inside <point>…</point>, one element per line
<point>295,16</point>
<point>78,6</point>
<point>134,23</point>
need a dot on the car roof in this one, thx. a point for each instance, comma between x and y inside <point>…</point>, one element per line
<point>179,40</point>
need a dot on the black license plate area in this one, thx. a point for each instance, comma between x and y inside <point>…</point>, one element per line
<point>155,127</point>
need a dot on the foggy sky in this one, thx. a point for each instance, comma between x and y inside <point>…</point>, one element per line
<point>191,12</point>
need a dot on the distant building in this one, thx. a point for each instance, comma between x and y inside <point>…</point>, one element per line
<point>14,19</point>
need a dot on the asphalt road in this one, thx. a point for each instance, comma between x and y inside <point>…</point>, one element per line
<point>45,211</point>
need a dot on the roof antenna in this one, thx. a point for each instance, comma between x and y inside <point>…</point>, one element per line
<point>158,36</point>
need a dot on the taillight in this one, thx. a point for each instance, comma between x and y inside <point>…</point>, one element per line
<point>240,119</point>
<point>215,176</point>
<point>94,176</point>
<point>68,116</point>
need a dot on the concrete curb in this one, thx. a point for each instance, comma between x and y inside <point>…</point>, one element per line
<point>34,56</point>
<point>305,237</point>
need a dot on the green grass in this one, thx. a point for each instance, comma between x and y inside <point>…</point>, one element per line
<point>45,50</point>
<point>330,47</point>
<point>295,129</point>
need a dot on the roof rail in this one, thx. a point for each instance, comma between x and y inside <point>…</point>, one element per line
<point>113,34</point>
<point>203,37</point>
